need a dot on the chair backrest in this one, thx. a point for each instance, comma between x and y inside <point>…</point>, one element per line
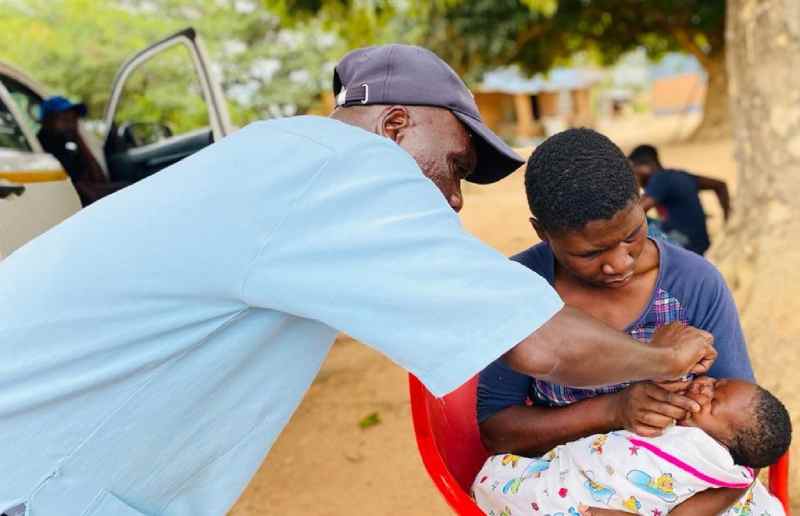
<point>449,443</point>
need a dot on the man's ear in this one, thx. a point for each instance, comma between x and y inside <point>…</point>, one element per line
<point>394,120</point>
<point>539,231</point>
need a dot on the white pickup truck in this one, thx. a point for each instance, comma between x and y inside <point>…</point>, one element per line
<point>36,193</point>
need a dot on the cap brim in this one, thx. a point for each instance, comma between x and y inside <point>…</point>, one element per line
<point>496,159</point>
<point>80,108</point>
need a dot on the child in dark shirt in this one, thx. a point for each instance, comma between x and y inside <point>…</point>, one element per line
<point>674,194</point>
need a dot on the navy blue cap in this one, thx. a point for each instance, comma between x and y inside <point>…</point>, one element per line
<point>415,76</point>
<point>59,104</point>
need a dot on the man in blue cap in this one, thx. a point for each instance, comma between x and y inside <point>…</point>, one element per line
<point>201,301</point>
<point>60,136</point>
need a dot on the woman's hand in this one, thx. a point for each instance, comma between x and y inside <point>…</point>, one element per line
<point>647,408</point>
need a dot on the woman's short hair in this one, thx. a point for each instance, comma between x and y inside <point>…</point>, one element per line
<point>577,176</point>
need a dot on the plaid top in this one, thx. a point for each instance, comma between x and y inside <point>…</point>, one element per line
<point>662,310</point>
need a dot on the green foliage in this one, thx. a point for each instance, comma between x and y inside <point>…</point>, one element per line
<point>275,57</point>
<point>370,420</point>
<point>490,33</point>
<point>476,35</point>
<point>75,48</point>
<point>72,46</point>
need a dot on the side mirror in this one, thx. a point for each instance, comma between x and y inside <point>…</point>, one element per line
<point>137,134</point>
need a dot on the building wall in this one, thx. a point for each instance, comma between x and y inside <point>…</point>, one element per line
<point>549,103</point>
<point>499,112</point>
<point>493,108</point>
<point>511,116</point>
<point>678,94</point>
<point>582,115</point>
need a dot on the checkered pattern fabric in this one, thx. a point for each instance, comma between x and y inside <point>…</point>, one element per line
<point>663,310</point>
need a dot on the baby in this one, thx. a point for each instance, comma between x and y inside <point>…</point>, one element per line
<point>741,427</point>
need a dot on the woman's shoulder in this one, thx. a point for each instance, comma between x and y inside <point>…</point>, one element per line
<point>681,264</point>
<point>535,256</point>
<point>691,279</point>
<point>538,258</point>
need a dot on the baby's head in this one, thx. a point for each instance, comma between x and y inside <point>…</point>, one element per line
<point>746,418</point>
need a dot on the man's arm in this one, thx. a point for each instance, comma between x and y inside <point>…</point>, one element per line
<point>720,188</point>
<point>572,348</point>
<point>383,258</point>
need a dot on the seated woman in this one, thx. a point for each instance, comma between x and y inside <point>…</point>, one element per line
<point>596,253</point>
<point>741,426</point>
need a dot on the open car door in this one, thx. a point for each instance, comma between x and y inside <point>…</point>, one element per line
<point>165,105</point>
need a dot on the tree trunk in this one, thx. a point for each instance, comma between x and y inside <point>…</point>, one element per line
<point>760,253</point>
<point>716,118</point>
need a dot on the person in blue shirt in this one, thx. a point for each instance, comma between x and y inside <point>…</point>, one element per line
<point>596,253</point>
<point>674,194</point>
<point>155,344</point>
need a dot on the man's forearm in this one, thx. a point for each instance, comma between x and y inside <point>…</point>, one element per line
<point>724,200</point>
<point>532,431</point>
<point>575,349</point>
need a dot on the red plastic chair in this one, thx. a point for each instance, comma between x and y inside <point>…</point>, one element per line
<point>451,449</point>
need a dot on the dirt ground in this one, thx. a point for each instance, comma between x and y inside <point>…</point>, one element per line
<point>324,463</point>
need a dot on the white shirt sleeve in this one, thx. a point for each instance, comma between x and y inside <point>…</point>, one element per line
<point>372,248</point>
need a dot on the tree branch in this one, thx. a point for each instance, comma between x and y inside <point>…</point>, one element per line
<point>522,39</point>
<point>688,44</point>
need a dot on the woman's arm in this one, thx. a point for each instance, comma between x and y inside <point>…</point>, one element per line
<point>532,431</point>
<point>644,408</point>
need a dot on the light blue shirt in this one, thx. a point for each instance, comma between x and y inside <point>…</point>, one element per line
<point>156,343</point>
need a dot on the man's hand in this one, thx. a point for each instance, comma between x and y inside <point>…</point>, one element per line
<point>687,350</point>
<point>647,408</point>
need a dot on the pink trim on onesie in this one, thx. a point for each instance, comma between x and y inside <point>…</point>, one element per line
<point>687,468</point>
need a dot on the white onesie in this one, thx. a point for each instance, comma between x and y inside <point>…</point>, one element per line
<point>619,470</point>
